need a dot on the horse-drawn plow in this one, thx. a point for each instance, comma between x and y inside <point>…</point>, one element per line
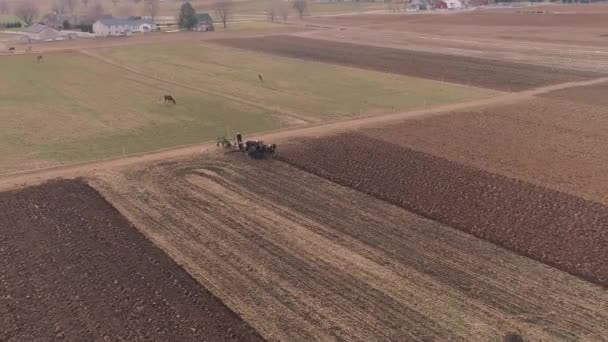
<point>256,149</point>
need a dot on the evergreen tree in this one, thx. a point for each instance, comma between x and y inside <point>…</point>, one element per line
<point>187,17</point>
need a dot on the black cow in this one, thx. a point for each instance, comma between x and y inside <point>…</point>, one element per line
<point>169,99</point>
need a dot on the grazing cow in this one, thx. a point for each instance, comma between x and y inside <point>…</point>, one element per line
<point>261,78</point>
<point>169,99</point>
<point>40,59</point>
<point>11,49</point>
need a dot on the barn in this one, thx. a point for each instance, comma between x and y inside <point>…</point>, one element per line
<point>122,27</point>
<point>42,32</point>
<point>205,22</point>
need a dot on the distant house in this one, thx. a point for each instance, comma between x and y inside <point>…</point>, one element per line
<point>453,4</point>
<point>417,5</point>
<point>205,22</point>
<point>42,32</point>
<point>122,27</point>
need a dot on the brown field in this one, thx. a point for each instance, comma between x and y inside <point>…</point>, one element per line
<point>561,230</point>
<point>301,258</point>
<point>72,268</point>
<point>558,24</point>
<point>499,75</point>
<point>555,143</point>
<point>583,97</point>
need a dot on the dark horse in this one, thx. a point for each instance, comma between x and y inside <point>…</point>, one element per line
<point>40,59</point>
<point>169,99</point>
<point>11,49</point>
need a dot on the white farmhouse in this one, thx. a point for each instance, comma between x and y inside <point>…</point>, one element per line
<point>453,4</point>
<point>121,27</point>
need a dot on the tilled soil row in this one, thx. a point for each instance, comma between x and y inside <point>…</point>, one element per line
<point>558,229</point>
<point>72,268</point>
<point>479,72</point>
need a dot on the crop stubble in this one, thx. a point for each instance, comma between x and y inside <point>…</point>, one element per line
<point>479,72</point>
<point>301,258</point>
<point>72,268</point>
<point>561,230</point>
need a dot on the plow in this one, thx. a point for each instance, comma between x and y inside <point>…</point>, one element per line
<point>255,149</point>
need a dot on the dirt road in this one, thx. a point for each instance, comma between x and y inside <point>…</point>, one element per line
<point>88,168</point>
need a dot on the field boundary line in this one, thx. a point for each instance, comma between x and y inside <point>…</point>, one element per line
<point>74,170</point>
<point>258,105</point>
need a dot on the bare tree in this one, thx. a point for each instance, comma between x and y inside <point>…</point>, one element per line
<point>224,10</point>
<point>58,7</point>
<point>272,13</point>
<point>71,5</point>
<point>85,3</point>
<point>284,10</point>
<point>27,11</point>
<point>95,13</point>
<point>3,7</point>
<point>301,6</point>
<point>152,7</point>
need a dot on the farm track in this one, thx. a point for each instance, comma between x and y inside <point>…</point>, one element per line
<point>301,258</point>
<point>561,230</point>
<point>272,109</point>
<point>472,71</point>
<point>21,179</point>
<point>72,268</point>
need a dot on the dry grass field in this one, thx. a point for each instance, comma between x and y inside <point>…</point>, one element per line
<point>73,108</point>
<point>299,257</point>
<point>105,102</point>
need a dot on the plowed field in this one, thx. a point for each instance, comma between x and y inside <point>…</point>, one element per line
<point>555,143</point>
<point>73,269</point>
<point>479,72</point>
<point>561,230</point>
<point>301,258</point>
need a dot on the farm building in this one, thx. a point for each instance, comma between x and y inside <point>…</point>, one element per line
<point>452,4</point>
<point>448,4</point>
<point>417,5</point>
<point>42,32</point>
<point>205,22</point>
<point>121,27</point>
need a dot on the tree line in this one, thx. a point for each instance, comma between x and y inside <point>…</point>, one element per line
<point>28,11</point>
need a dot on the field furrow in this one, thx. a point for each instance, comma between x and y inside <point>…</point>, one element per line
<point>561,230</point>
<point>299,257</point>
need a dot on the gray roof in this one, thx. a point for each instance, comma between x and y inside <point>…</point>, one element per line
<point>37,28</point>
<point>127,22</point>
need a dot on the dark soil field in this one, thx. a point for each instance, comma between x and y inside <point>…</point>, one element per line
<point>558,229</point>
<point>303,259</point>
<point>479,72</point>
<point>73,269</point>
